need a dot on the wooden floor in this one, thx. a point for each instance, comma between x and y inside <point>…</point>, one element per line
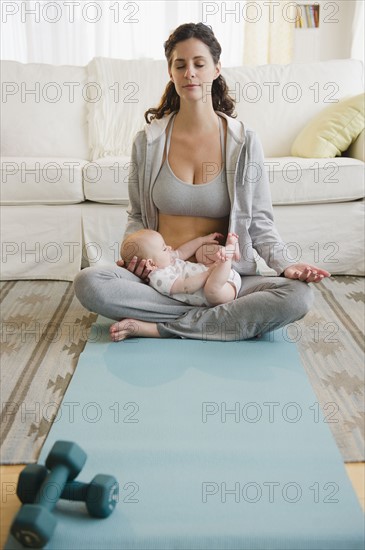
<point>10,502</point>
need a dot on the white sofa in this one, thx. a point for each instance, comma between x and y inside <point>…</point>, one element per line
<point>66,145</point>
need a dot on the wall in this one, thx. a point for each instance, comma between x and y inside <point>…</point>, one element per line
<point>333,38</point>
<point>336,38</point>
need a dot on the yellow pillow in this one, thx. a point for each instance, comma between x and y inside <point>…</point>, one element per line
<point>332,130</point>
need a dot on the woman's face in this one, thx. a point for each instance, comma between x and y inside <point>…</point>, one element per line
<point>193,70</point>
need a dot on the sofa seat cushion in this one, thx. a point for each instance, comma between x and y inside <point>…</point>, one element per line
<point>293,180</point>
<point>106,180</point>
<point>40,180</point>
<point>296,180</point>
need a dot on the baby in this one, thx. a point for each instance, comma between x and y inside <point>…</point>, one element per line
<point>193,283</point>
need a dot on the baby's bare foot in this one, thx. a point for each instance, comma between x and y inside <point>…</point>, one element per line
<point>219,256</point>
<point>232,248</point>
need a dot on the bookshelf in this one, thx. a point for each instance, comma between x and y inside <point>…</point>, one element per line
<point>307,16</point>
<point>307,32</point>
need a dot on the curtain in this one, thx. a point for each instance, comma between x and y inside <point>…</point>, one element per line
<point>74,31</point>
<point>358,40</point>
<point>269,32</point>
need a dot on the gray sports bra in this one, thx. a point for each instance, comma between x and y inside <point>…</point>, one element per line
<point>175,197</point>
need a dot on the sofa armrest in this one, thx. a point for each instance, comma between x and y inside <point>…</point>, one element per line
<point>357,148</point>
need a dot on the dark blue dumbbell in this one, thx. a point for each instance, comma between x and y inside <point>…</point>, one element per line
<point>34,524</point>
<point>100,495</point>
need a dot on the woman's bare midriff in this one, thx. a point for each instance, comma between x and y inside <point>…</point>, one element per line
<point>185,157</point>
<point>177,230</point>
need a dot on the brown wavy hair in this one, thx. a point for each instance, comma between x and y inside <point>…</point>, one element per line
<point>170,101</point>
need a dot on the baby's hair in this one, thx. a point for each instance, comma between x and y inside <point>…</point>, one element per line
<point>133,245</point>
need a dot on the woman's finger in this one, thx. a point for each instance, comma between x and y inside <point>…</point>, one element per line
<point>140,268</point>
<point>305,274</point>
<point>146,272</point>
<point>132,264</point>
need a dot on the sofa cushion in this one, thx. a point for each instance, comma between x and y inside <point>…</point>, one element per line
<point>106,179</point>
<point>333,130</point>
<point>41,180</point>
<point>277,101</point>
<point>41,242</point>
<point>127,89</point>
<point>103,227</point>
<point>44,110</point>
<point>333,236</point>
<point>329,236</point>
<point>293,180</point>
<point>296,180</point>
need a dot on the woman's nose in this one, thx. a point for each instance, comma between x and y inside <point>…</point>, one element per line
<point>189,73</point>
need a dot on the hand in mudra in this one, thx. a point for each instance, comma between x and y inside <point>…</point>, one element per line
<point>306,273</point>
<point>140,269</point>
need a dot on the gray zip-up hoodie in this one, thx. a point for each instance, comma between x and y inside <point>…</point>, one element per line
<point>251,215</point>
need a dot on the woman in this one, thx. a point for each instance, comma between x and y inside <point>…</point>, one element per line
<point>200,171</point>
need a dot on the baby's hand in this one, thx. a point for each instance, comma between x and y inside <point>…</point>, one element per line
<point>213,238</point>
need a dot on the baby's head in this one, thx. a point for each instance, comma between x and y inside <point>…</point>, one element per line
<point>148,245</point>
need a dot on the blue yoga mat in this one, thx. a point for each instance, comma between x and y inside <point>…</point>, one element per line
<point>216,445</point>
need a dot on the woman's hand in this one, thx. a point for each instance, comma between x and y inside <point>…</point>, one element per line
<point>305,272</point>
<point>141,269</point>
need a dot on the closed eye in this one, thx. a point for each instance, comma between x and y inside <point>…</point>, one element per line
<point>200,66</point>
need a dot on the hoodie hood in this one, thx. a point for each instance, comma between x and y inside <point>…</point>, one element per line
<point>157,127</point>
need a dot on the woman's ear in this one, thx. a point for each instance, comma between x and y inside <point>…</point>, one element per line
<point>218,70</point>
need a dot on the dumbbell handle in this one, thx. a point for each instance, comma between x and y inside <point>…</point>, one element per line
<point>75,490</point>
<point>51,488</point>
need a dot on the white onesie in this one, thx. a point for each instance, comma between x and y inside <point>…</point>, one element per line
<point>163,279</point>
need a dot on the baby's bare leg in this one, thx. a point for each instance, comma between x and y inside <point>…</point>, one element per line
<point>217,289</point>
<point>206,254</point>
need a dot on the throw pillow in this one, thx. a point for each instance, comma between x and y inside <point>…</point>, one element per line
<point>332,131</point>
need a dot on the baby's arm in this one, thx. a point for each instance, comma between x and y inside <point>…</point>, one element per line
<point>191,284</point>
<point>188,249</point>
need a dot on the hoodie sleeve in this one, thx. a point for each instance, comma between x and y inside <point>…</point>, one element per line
<point>265,237</point>
<point>135,183</point>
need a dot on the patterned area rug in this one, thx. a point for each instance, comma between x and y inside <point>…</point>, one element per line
<point>331,345</point>
<point>44,329</point>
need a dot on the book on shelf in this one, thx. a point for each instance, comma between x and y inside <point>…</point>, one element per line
<point>307,16</point>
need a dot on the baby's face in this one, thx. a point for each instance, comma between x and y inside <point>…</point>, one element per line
<point>159,252</point>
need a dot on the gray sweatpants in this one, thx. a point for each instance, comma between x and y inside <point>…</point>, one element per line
<point>263,304</point>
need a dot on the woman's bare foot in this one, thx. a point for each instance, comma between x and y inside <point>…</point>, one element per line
<point>232,248</point>
<point>132,328</point>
